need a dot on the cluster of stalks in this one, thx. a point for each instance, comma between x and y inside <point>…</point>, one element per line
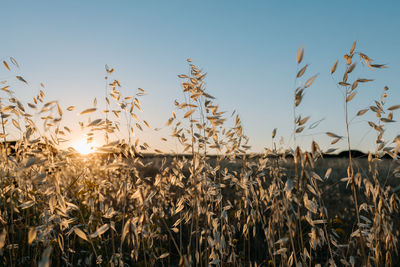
<point>215,203</point>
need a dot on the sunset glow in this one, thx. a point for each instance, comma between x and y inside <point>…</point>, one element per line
<point>84,148</point>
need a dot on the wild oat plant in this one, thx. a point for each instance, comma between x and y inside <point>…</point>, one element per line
<point>213,203</point>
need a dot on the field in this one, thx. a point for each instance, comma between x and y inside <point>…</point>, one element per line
<point>212,203</point>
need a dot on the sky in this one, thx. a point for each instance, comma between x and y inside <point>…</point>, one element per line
<point>248,49</point>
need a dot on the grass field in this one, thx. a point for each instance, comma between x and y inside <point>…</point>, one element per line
<point>218,204</point>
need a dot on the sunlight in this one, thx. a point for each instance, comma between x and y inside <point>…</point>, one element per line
<point>84,148</point>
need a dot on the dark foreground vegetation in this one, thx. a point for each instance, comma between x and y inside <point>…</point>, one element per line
<point>121,207</point>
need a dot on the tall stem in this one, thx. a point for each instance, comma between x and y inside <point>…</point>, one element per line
<point>4,133</point>
<point>351,177</point>
<point>107,108</point>
<point>296,174</point>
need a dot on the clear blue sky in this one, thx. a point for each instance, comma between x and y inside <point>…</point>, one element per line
<point>248,49</point>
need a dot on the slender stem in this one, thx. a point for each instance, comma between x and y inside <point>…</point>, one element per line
<point>296,174</point>
<point>107,107</point>
<point>290,230</point>
<point>353,184</point>
<point>124,187</point>
<point>325,214</point>
<point>172,237</point>
<point>4,133</point>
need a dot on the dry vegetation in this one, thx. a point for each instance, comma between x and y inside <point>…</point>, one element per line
<point>117,208</point>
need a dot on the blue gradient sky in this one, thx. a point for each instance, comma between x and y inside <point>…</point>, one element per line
<point>248,49</point>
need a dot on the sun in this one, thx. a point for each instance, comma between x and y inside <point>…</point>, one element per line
<point>84,148</point>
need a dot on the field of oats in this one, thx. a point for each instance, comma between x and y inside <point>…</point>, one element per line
<point>213,203</point>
